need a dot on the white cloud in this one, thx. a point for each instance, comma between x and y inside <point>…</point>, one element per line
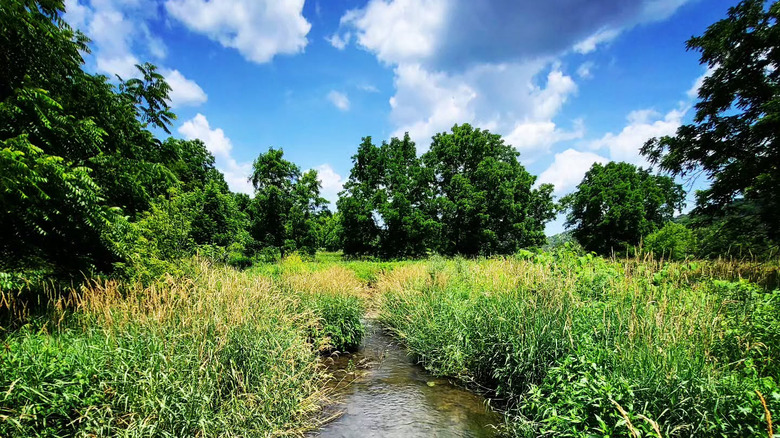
<point>456,34</point>
<point>642,126</point>
<point>76,14</point>
<point>124,65</point>
<point>119,33</point>
<point>585,70</point>
<point>339,100</point>
<point>459,61</point>
<point>368,88</point>
<point>215,139</point>
<point>236,174</point>
<point>426,103</point>
<point>339,41</point>
<point>398,30</point>
<point>332,182</point>
<point>258,29</point>
<point>534,138</point>
<point>568,169</point>
<point>693,92</point>
<point>590,43</point>
<point>504,99</point>
<point>184,92</point>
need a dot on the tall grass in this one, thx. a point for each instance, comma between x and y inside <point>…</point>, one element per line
<point>582,346</point>
<point>212,353</point>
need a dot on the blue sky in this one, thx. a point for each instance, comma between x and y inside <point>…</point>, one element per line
<point>567,82</point>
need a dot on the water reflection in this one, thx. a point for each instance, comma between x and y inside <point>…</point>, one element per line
<point>393,397</point>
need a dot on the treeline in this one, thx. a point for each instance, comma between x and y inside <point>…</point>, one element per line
<point>86,185</point>
<point>467,195</point>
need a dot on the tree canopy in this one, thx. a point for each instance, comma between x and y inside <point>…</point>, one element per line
<point>735,135</point>
<point>617,204</point>
<point>467,195</point>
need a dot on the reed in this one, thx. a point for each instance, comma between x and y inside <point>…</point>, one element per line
<point>213,353</point>
<point>561,340</point>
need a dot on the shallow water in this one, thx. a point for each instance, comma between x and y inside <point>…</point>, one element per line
<point>385,394</point>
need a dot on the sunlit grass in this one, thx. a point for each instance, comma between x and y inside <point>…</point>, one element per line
<point>563,341</point>
<point>214,353</point>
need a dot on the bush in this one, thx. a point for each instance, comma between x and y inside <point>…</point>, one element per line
<point>672,242</point>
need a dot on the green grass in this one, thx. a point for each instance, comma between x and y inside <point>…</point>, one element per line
<point>216,353</point>
<point>568,345</point>
<point>581,347</point>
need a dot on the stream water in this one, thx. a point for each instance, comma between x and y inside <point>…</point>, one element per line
<point>383,393</point>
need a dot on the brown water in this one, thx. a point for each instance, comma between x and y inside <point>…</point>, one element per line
<point>382,393</point>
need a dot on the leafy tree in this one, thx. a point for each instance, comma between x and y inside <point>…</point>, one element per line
<point>736,231</point>
<point>357,203</point>
<point>285,204</point>
<point>484,199</point>
<point>617,204</point>
<point>409,228</point>
<point>52,210</point>
<point>329,232</point>
<point>735,136</point>
<point>384,206</point>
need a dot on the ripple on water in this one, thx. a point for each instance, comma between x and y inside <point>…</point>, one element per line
<point>393,397</point>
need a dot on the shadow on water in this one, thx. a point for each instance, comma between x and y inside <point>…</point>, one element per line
<point>382,393</point>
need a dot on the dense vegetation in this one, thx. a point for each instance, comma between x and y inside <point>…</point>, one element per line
<point>579,346</point>
<point>213,352</point>
<point>122,313</point>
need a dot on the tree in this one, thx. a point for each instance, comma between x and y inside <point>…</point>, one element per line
<point>283,211</point>
<point>735,135</point>
<point>357,203</point>
<point>484,198</point>
<point>51,209</point>
<point>384,204</point>
<point>617,204</point>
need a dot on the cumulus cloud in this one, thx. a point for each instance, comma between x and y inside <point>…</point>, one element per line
<point>454,34</point>
<point>568,169</point>
<point>585,70</point>
<point>332,182</point>
<point>490,63</point>
<point>534,138</point>
<point>184,92</point>
<point>368,88</point>
<point>258,29</point>
<point>339,41</point>
<point>119,32</point>
<point>642,125</point>
<point>236,173</point>
<point>339,100</point>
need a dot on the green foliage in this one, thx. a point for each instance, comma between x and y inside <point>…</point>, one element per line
<point>283,213</point>
<point>617,204</point>
<point>486,203</point>
<point>215,353</point>
<point>734,135</point>
<point>578,346</point>
<point>467,195</point>
<point>673,242</point>
<point>384,206</point>
<point>340,327</point>
<point>735,232</point>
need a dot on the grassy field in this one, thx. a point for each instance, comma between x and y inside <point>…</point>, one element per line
<point>567,345</point>
<point>582,347</point>
<point>214,353</point>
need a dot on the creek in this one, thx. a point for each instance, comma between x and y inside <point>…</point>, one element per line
<point>380,392</point>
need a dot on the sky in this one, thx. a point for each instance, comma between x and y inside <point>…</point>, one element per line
<point>566,82</point>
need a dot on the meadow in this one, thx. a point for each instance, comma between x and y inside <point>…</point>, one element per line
<point>564,344</point>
